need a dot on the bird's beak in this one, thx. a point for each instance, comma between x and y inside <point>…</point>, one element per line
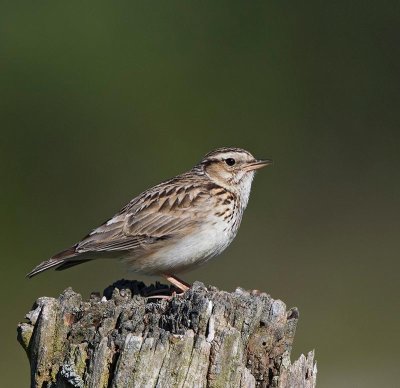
<point>258,164</point>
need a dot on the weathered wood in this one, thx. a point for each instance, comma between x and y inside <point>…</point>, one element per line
<point>204,338</point>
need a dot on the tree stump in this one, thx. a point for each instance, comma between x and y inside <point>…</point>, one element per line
<point>203,338</point>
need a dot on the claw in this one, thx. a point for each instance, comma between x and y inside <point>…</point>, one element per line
<point>166,297</point>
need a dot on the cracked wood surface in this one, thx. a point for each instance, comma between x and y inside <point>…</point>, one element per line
<point>204,338</point>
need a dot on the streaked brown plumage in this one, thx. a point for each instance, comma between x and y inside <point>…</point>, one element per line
<point>175,225</point>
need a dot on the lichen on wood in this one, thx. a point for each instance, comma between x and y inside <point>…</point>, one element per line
<point>203,338</point>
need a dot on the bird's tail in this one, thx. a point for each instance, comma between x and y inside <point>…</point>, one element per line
<point>60,261</point>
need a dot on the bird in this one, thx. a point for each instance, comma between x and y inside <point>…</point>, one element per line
<point>176,225</point>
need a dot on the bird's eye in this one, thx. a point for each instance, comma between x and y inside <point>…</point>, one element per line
<point>230,161</point>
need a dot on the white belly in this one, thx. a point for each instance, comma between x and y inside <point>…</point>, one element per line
<point>181,254</point>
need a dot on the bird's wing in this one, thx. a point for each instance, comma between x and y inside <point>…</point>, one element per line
<point>162,212</point>
<point>171,209</point>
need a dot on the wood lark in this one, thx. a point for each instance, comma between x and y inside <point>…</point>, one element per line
<point>176,225</point>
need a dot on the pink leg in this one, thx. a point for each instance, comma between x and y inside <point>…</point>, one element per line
<point>178,283</point>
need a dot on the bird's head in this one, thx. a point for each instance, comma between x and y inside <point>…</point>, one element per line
<point>232,168</point>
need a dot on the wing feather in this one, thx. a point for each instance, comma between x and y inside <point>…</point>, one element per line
<point>159,213</point>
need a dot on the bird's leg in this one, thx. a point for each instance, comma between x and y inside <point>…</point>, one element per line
<point>178,283</point>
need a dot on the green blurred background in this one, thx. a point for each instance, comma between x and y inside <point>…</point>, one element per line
<point>101,100</point>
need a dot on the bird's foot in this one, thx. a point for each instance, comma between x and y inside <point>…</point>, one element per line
<point>178,288</point>
<point>168,298</point>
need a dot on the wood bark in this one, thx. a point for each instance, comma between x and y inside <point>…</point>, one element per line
<point>203,338</point>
